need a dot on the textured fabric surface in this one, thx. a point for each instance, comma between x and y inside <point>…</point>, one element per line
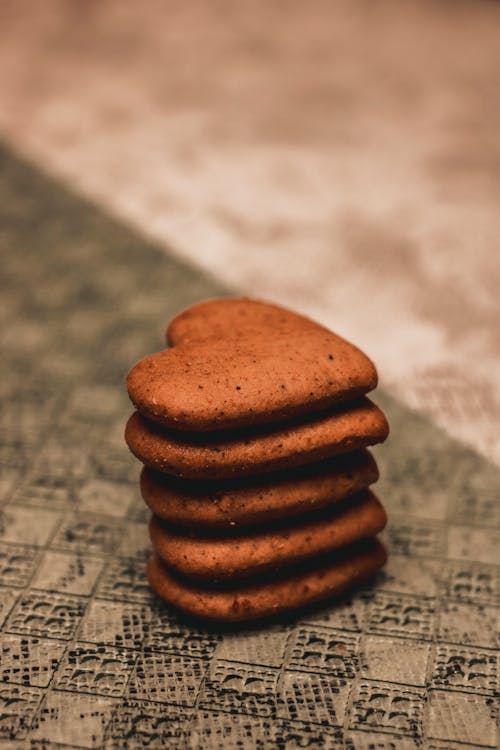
<point>89,658</point>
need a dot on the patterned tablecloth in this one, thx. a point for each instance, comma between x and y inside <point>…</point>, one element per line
<point>89,658</point>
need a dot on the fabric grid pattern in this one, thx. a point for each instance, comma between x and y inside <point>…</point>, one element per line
<point>89,658</point>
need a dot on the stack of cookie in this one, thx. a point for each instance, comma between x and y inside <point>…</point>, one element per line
<point>252,427</point>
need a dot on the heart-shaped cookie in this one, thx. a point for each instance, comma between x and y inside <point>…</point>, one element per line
<point>255,500</point>
<point>221,456</point>
<point>311,582</point>
<point>220,558</point>
<point>239,362</point>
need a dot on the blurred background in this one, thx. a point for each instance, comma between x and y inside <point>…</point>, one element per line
<point>339,157</point>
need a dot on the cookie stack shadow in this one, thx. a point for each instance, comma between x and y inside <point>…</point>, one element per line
<point>253,427</point>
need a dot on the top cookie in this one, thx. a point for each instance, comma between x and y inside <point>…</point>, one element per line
<point>238,362</point>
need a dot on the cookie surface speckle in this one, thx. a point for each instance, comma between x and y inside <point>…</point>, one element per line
<point>239,362</point>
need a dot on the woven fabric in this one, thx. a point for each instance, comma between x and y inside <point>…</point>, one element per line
<point>89,657</point>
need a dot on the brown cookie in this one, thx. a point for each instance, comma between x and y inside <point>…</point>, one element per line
<point>238,362</point>
<point>209,320</point>
<point>257,500</point>
<point>354,426</point>
<point>273,595</point>
<point>212,558</point>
